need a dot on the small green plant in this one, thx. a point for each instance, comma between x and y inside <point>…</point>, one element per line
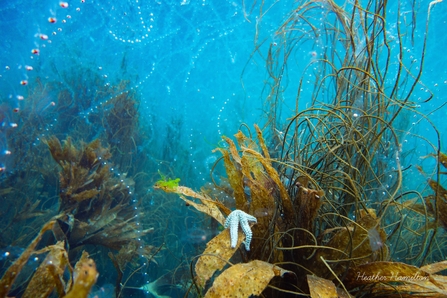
<point>165,183</point>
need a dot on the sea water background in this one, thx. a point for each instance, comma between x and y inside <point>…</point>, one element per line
<point>192,64</point>
<point>185,60</point>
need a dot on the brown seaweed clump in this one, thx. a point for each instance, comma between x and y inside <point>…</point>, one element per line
<point>340,260</point>
<point>50,275</point>
<point>95,207</point>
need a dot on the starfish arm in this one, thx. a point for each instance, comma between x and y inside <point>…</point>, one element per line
<point>234,225</point>
<point>228,220</point>
<point>250,218</point>
<point>247,231</point>
<point>232,222</point>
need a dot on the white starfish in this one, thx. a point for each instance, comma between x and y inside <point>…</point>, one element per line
<point>236,218</point>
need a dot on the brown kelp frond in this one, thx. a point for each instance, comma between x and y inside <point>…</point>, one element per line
<point>216,255</point>
<point>207,205</point>
<point>436,205</point>
<point>246,279</point>
<point>83,171</point>
<point>51,275</point>
<point>318,285</point>
<point>358,243</point>
<point>84,277</point>
<point>13,271</point>
<point>258,190</point>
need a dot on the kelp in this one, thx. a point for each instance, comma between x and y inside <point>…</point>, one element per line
<point>13,271</point>
<point>121,122</point>
<point>267,192</point>
<point>349,141</point>
<point>317,182</point>
<point>328,257</point>
<point>358,243</point>
<point>250,169</point>
<point>75,180</point>
<point>306,206</point>
<point>216,255</point>
<point>218,250</point>
<point>82,171</point>
<point>84,277</point>
<point>432,206</point>
<point>323,288</point>
<point>207,205</point>
<point>245,279</point>
<point>437,204</point>
<point>95,206</point>
<point>50,275</point>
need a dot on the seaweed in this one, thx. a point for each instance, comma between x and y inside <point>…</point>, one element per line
<point>326,184</point>
<point>73,162</point>
<point>320,287</point>
<point>245,279</point>
<point>48,275</point>
<point>95,207</point>
<point>127,255</point>
<point>84,277</point>
<point>13,271</point>
<point>166,183</point>
<point>216,255</point>
<point>291,235</point>
<point>120,122</point>
<point>327,181</point>
<point>254,170</point>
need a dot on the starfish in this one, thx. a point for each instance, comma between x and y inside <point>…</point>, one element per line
<point>236,218</point>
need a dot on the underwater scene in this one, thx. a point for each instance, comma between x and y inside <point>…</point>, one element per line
<point>220,148</point>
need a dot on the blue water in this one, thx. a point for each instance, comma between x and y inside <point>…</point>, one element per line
<point>185,61</point>
<point>198,69</point>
